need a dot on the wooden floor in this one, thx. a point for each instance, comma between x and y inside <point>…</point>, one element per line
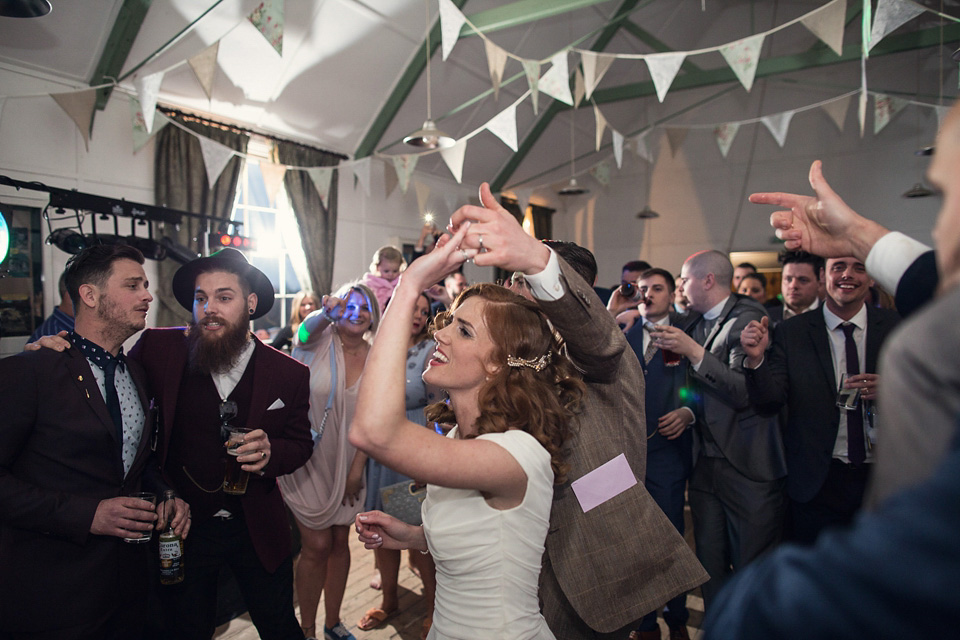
<point>406,624</point>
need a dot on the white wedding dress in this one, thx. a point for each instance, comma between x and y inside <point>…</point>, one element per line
<point>488,560</point>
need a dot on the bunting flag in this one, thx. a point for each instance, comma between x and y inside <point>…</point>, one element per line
<point>272,179</point>
<point>601,124</point>
<point>321,176</point>
<point>453,157</point>
<point>423,194</point>
<point>504,126</point>
<point>556,81</point>
<point>725,133</point>
<point>865,22</point>
<point>215,158</point>
<point>890,15</point>
<point>743,56</point>
<point>827,23</point>
<point>404,166</point>
<point>204,66</point>
<point>390,182</point>
<point>941,113</point>
<point>601,172</point>
<point>523,199</point>
<point>451,21</point>
<point>594,65</point>
<point>496,61</point>
<point>578,88</point>
<point>862,107</point>
<point>79,105</point>
<point>663,69</point>
<point>778,124</point>
<point>640,146</point>
<point>837,110</point>
<point>139,127</point>
<point>884,108</point>
<point>361,171</point>
<point>148,88</point>
<point>618,147</point>
<point>532,69</point>
<point>676,137</point>
<point>267,18</point>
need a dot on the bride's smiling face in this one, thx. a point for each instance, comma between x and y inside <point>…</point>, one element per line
<point>462,359</point>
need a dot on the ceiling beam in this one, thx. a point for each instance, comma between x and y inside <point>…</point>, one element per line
<point>623,11</point>
<point>115,52</point>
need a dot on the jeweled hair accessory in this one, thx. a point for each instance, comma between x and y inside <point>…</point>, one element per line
<point>537,364</point>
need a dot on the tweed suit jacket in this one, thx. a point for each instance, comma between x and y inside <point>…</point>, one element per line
<point>749,441</point>
<point>163,353</point>
<point>59,457</point>
<point>798,373</point>
<point>623,558</point>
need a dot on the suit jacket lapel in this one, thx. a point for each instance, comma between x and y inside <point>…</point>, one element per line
<point>87,385</point>
<point>262,388</point>
<point>139,379</point>
<point>821,346</point>
<point>876,333</point>
<point>724,314</point>
<point>174,362</point>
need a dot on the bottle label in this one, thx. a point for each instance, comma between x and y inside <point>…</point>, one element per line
<point>170,555</point>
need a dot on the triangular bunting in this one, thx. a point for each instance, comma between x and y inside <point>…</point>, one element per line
<point>321,177</point>
<point>496,61</point>
<point>640,146</point>
<point>423,194</point>
<point>663,69</point>
<point>578,89</point>
<point>79,105</point>
<point>268,19</point>
<point>390,182</point>
<point>725,133</point>
<point>743,56</point>
<point>676,137</point>
<point>556,81</point>
<point>618,147</point>
<point>453,157</point>
<point>884,108</point>
<point>451,21</point>
<point>140,133</point>
<point>148,88</point>
<point>862,107</point>
<point>827,23</point>
<point>890,15</point>
<point>601,124</point>
<point>361,169</point>
<point>837,110</point>
<point>778,124</point>
<point>532,69</point>
<point>504,126</point>
<point>215,158</point>
<point>272,179</point>
<point>404,166</point>
<point>594,66</point>
<point>602,173</point>
<point>204,66</point>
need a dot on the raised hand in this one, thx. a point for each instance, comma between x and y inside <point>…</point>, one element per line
<point>755,338</point>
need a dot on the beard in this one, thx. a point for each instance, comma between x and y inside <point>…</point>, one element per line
<point>217,353</point>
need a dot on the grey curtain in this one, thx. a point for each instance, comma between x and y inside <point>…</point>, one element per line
<point>318,223</point>
<point>180,182</point>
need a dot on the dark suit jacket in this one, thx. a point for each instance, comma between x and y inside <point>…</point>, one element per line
<point>798,372</point>
<point>623,558</point>
<point>749,441</point>
<point>918,284</point>
<point>163,353</point>
<point>59,457</point>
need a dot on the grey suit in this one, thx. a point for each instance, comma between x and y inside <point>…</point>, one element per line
<point>736,489</point>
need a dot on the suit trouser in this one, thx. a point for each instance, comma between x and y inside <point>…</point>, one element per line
<point>217,544</point>
<point>834,505</point>
<point>735,519</point>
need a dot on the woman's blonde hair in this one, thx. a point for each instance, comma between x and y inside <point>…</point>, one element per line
<point>535,388</point>
<point>389,252</point>
<point>295,318</point>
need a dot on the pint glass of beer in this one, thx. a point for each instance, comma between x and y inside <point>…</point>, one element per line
<point>234,478</point>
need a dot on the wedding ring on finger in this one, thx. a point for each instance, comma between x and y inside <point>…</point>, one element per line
<point>464,254</point>
<point>480,242</point>
<point>263,455</point>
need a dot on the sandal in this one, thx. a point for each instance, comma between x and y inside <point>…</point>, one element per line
<point>425,627</point>
<point>374,618</point>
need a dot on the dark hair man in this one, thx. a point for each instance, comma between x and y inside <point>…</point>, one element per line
<point>799,285</point>
<point>741,270</point>
<point>62,317</point>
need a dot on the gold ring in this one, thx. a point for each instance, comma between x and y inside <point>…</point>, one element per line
<point>263,455</point>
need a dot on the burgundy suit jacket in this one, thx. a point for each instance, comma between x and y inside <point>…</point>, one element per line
<point>276,377</point>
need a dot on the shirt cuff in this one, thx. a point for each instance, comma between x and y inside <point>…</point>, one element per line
<point>546,284</point>
<point>890,257</point>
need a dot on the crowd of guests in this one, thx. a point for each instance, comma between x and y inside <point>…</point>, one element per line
<point>559,438</point>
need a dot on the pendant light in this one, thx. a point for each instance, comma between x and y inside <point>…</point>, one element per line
<point>24,8</point>
<point>429,136</point>
<point>572,188</point>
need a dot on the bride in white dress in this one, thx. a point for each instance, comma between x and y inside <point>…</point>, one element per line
<point>512,397</point>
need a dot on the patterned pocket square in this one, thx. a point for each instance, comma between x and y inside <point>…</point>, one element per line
<point>277,404</point>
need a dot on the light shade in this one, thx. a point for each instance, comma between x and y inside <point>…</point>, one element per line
<point>918,191</point>
<point>573,189</point>
<point>429,137</point>
<point>24,8</point>
<point>647,213</point>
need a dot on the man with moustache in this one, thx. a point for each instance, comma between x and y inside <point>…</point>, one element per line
<point>74,445</point>
<point>799,285</point>
<point>211,373</point>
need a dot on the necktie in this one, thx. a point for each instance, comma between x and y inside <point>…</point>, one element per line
<point>651,349</point>
<point>855,445</point>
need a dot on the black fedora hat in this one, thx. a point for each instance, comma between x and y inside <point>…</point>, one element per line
<point>231,260</point>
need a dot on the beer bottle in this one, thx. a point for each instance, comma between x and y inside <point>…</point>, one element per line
<point>171,549</point>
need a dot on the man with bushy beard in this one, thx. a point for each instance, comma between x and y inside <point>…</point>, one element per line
<point>212,374</point>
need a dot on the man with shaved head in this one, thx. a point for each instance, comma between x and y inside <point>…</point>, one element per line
<point>736,489</point>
